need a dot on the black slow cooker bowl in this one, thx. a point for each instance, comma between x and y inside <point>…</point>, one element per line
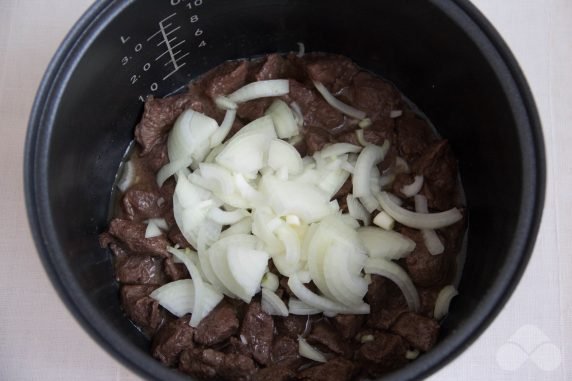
<point>442,54</point>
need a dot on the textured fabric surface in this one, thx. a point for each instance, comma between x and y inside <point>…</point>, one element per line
<point>530,340</point>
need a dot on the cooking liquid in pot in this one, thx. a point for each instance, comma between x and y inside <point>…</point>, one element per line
<point>239,339</point>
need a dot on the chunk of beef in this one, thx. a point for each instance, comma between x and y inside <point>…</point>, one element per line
<point>345,189</point>
<point>428,297</point>
<point>387,302</point>
<point>333,71</point>
<point>218,325</point>
<point>348,325</point>
<point>376,97</point>
<point>316,111</point>
<point>292,325</point>
<point>141,202</point>
<point>380,131</point>
<point>258,330</point>
<point>156,158</point>
<point>426,270</point>
<point>274,67</point>
<point>208,364</point>
<point>384,353</point>
<point>140,308</point>
<point>177,238</point>
<point>275,373</point>
<point>140,269</point>
<point>420,331</point>
<point>439,169</point>
<point>173,338</point>
<point>175,271</point>
<point>316,139</point>
<point>285,351</point>
<point>132,234</point>
<point>414,136</point>
<point>225,78</point>
<point>254,109</point>
<point>324,336</point>
<point>338,369</point>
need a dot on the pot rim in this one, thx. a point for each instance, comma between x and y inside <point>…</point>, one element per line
<point>534,162</point>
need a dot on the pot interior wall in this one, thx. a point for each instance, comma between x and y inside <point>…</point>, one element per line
<point>411,43</point>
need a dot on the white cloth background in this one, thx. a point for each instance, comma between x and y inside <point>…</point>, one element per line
<point>530,340</point>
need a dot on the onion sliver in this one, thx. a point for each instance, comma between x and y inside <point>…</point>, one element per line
<point>298,116</point>
<point>127,176</point>
<point>384,221</point>
<point>291,243</point>
<point>206,298</point>
<point>348,289</point>
<point>243,226</point>
<point>284,155</point>
<point>430,237</point>
<point>270,281</point>
<point>357,210</point>
<point>369,203</point>
<point>190,132</point>
<point>338,149</point>
<point>261,218</point>
<point>227,218</point>
<point>418,220</point>
<point>370,156</point>
<point>272,304</point>
<point>152,230</point>
<point>177,297</point>
<point>221,133</point>
<point>301,50</point>
<point>337,104</point>
<point>307,351</point>
<point>284,119</point>
<point>443,301</point>
<point>412,189</point>
<point>398,276</point>
<point>219,178</point>
<point>297,307</point>
<point>245,153</point>
<point>171,168</point>
<point>225,103</point>
<point>380,243</point>
<point>247,267</point>
<point>260,89</point>
<point>160,222</point>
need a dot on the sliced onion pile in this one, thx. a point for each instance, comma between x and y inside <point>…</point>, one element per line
<point>252,198</point>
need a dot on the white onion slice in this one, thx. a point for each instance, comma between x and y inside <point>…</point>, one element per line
<point>245,153</point>
<point>369,203</point>
<point>152,230</point>
<point>332,181</point>
<point>398,276</point>
<point>227,218</point>
<point>261,218</point>
<point>365,123</point>
<point>412,189</point>
<point>401,165</point>
<point>369,157</point>
<point>396,200</point>
<point>288,263</point>
<point>127,176</point>
<point>160,222</point>
<point>412,354</point>
<point>247,267</point>
<point>272,304</point>
<point>220,180</point>
<point>297,115</point>
<point>283,155</point>
<point>171,168</point>
<point>260,89</point>
<point>380,243</point>
<point>430,237</point>
<point>309,352</point>
<point>338,149</point>
<point>443,301</point>
<point>270,281</point>
<point>177,297</point>
<point>284,119</point>
<point>221,133</point>
<point>384,221</point>
<point>337,104</point>
<point>301,50</point>
<point>418,220</point>
<point>395,113</point>
<point>348,289</point>
<point>243,226</point>
<point>297,307</point>
<point>357,210</point>
<point>224,103</point>
<point>361,138</point>
<point>190,133</point>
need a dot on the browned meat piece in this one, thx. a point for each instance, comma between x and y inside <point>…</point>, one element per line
<point>376,97</point>
<point>426,270</point>
<point>380,131</point>
<point>384,353</point>
<point>428,297</point>
<point>439,169</point>
<point>251,110</point>
<point>177,238</point>
<point>348,325</point>
<point>338,369</point>
<point>175,271</point>
<point>218,325</point>
<point>345,189</point>
<point>141,202</point>
<point>258,329</point>
<point>275,373</point>
<point>420,331</point>
<point>316,139</point>
<point>292,325</point>
<point>335,72</point>
<point>325,337</point>
<point>208,364</point>
<point>414,136</point>
<point>225,78</point>
<point>274,67</point>
<point>156,158</point>
<point>132,234</point>
<point>387,302</point>
<point>140,308</point>
<point>348,137</point>
<point>173,338</point>
<point>285,352</point>
<point>317,112</point>
<point>139,269</point>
